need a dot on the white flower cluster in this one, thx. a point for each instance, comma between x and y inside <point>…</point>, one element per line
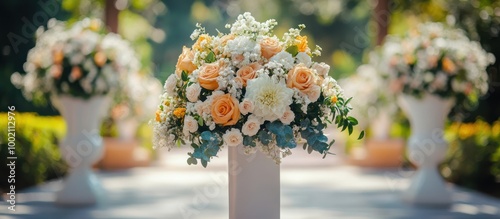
<point>435,59</point>
<point>234,86</point>
<point>80,60</point>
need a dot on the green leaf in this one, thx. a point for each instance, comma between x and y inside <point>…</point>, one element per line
<point>309,149</point>
<point>200,121</point>
<point>184,76</point>
<point>361,135</point>
<point>353,120</point>
<point>192,160</point>
<point>304,146</point>
<point>294,50</point>
<point>349,128</point>
<point>210,57</point>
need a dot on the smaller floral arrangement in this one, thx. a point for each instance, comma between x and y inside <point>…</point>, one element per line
<point>436,59</point>
<point>250,89</point>
<point>80,60</point>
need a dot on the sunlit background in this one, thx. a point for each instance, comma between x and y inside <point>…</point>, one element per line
<point>347,30</point>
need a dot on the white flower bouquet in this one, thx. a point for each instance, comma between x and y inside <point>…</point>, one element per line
<point>436,59</point>
<point>80,60</point>
<point>250,88</point>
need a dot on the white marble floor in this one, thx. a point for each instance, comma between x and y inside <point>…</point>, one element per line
<point>311,189</point>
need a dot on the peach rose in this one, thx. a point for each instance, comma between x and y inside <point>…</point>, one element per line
<point>56,71</point>
<point>208,76</point>
<point>251,127</point>
<point>246,106</point>
<point>100,58</point>
<point>76,73</point>
<point>225,110</point>
<point>185,62</point>
<point>233,137</point>
<point>269,47</point>
<point>287,117</point>
<point>248,72</point>
<point>301,42</point>
<point>448,66</point>
<point>57,56</point>
<point>301,77</point>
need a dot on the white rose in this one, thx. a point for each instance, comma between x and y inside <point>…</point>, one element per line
<point>302,57</point>
<point>287,117</point>
<point>171,84</point>
<point>193,92</point>
<point>190,125</point>
<point>233,137</point>
<point>251,127</point>
<point>283,58</point>
<point>321,68</point>
<point>313,93</point>
<point>246,106</point>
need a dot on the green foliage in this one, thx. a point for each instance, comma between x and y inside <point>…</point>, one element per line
<point>473,159</point>
<point>36,149</point>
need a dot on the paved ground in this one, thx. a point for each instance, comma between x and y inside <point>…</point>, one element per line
<point>311,189</point>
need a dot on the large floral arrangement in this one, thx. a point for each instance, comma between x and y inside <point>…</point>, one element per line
<point>80,60</point>
<point>251,89</point>
<point>436,59</point>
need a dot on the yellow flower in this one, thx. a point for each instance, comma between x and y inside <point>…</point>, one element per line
<point>167,103</point>
<point>100,58</point>
<point>180,112</point>
<point>95,25</point>
<point>301,42</point>
<point>333,99</point>
<point>158,117</point>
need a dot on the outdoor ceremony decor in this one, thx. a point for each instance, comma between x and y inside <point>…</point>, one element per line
<point>77,66</point>
<point>255,94</point>
<point>433,67</point>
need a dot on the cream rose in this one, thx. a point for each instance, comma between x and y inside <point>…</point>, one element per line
<point>313,93</point>
<point>233,137</point>
<point>190,125</point>
<point>225,110</point>
<point>246,106</point>
<point>251,127</point>
<point>171,84</point>
<point>185,62</point>
<point>269,46</point>
<point>303,57</point>
<point>287,117</point>
<point>193,92</point>
<point>301,77</point>
<point>208,76</point>
<point>321,68</point>
<point>248,72</point>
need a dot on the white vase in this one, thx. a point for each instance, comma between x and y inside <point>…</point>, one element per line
<point>254,186</point>
<point>81,148</point>
<point>426,148</point>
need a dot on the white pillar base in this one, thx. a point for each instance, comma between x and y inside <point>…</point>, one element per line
<point>254,186</point>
